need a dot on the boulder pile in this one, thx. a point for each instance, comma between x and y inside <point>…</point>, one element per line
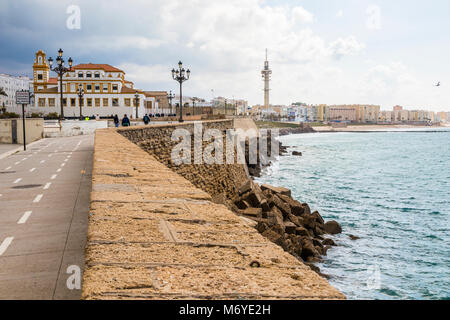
<point>286,221</point>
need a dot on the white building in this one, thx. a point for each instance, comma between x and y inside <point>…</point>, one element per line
<point>106,91</point>
<point>11,84</point>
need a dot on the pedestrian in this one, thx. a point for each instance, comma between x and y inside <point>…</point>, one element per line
<point>146,119</point>
<point>116,121</point>
<point>125,121</point>
<point>97,117</point>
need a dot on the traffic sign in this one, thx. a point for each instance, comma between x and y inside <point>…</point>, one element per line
<point>23,97</point>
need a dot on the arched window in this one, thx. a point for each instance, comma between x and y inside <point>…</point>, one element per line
<point>40,59</point>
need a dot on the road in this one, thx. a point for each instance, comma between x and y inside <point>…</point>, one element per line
<point>44,207</point>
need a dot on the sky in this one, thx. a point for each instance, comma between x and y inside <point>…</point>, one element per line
<point>320,51</point>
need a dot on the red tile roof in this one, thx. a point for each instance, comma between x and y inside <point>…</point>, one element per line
<point>53,80</point>
<point>105,67</point>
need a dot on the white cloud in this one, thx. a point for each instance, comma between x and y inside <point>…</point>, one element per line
<point>340,13</point>
<point>345,46</point>
<point>299,14</point>
<point>373,21</point>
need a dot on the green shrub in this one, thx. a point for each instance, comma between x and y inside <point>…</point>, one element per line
<point>9,115</point>
<point>52,115</point>
<point>36,115</point>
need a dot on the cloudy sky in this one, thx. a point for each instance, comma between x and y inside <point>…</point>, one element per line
<point>321,51</point>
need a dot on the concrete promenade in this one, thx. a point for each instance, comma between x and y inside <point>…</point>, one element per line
<point>153,235</point>
<point>44,204</point>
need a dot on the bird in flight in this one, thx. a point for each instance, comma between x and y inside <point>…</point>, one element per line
<point>439,84</point>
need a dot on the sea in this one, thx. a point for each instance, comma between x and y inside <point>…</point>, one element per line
<point>390,189</point>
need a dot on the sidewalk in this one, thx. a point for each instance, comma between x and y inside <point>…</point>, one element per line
<point>7,149</point>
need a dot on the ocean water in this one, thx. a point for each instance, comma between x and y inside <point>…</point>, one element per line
<point>391,189</point>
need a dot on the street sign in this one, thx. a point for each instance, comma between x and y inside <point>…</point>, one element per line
<point>23,97</point>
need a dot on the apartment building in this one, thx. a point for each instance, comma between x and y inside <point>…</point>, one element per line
<point>10,84</point>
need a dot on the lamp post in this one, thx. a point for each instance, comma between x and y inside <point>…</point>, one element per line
<point>170,96</point>
<point>136,101</point>
<point>181,76</point>
<point>225,108</point>
<point>80,97</point>
<point>60,69</point>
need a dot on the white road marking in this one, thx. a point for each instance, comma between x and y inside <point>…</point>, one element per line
<point>59,170</point>
<point>24,218</point>
<point>5,244</point>
<point>8,168</point>
<point>63,164</point>
<point>32,169</point>
<point>47,185</point>
<point>65,160</point>
<point>38,198</point>
<point>53,177</point>
<point>24,159</point>
<point>42,161</point>
<point>17,162</point>
<point>0,194</point>
<point>17,180</point>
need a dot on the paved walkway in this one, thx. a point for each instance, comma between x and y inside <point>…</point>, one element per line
<point>44,204</point>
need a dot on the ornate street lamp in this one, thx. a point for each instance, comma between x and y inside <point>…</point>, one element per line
<point>60,70</point>
<point>171,96</point>
<point>181,76</point>
<point>80,97</point>
<point>136,101</point>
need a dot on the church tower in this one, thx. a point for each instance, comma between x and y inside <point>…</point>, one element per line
<point>41,71</point>
<point>266,72</point>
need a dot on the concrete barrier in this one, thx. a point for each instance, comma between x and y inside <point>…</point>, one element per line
<point>68,128</point>
<point>11,130</point>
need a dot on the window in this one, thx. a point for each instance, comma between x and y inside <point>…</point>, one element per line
<point>127,102</point>
<point>51,102</point>
<point>89,102</point>
<point>105,102</point>
<point>72,102</point>
<point>40,77</point>
<point>115,102</point>
<point>41,102</point>
<point>105,87</point>
<point>97,75</point>
<point>115,87</point>
<point>88,75</point>
<point>97,88</point>
<point>88,87</point>
<point>80,74</point>
<point>65,102</point>
<point>72,87</point>
<point>97,102</point>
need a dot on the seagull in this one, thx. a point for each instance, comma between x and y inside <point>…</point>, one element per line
<point>439,84</point>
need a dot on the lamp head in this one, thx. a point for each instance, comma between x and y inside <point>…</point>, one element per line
<point>60,52</point>
<point>50,62</point>
<point>180,64</point>
<point>70,62</point>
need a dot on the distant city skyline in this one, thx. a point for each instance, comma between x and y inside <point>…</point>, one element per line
<point>344,52</point>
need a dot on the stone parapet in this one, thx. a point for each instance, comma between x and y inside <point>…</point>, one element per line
<point>154,235</point>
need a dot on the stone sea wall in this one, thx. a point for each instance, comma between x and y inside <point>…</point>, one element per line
<point>154,235</point>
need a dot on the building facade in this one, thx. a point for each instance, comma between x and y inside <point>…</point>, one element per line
<point>106,91</point>
<point>10,84</point>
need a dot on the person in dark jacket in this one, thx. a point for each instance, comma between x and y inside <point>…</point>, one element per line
<point>116,121</point>
<point>146,119</point>
<point>125,121</point>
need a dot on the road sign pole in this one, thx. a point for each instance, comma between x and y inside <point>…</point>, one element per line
<point>23,124</point>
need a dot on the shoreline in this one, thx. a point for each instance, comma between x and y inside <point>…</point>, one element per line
<point>378,128</point>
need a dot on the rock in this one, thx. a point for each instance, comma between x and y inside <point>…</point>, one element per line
<point>328,242</point>
<point>325,249</point>
<point>296,206</point>
<point>254,212</point>
<point>265,205</point>
<point>297,153</point>
<point>318,217</point>
<point>261,227</point>
<point>302,232</point>
<point>289,227</point>
<point>246,186</point>
<point>353,238</point>
<point>276,190</point>
<point>294,220</point>
<point>332,227</point>
<point>283,206</point>
<point>308,249</point>
<point>272,235</point>
<point>318,231</point>
<point>309,221</point>
<point>242,204</point>
<point>306,209</point>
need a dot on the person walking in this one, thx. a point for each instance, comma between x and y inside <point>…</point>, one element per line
<point>125,121</point>
<point>116,121</point>
<point>146,119</point>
